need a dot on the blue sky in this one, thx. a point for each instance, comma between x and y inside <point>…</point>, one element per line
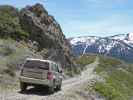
<point>87,17</point>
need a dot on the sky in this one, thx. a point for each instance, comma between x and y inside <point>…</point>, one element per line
<point>87,17</point>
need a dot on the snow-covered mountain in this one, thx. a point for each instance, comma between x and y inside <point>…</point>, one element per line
<point>119,46</point>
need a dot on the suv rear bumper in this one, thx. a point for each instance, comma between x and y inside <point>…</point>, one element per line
<point>36,81</point>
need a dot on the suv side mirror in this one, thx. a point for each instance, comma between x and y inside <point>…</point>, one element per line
<point>60,71</point>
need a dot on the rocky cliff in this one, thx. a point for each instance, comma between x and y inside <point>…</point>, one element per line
<point>38,29</point>
<point>45,30</point>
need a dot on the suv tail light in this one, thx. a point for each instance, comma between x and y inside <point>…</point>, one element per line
<point>49,75</point>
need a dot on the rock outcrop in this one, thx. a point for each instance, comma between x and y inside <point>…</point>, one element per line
<point>45,30</point>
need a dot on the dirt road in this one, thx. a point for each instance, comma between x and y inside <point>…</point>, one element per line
<point>72,89</point>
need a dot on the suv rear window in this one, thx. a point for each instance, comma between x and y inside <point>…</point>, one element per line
<point>37,64</point>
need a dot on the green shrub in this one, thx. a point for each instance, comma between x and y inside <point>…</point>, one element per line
<point>119,82</point>
<point>107,63</point>
<point>109,92</point>
<point>10,72</point>
<point>9,25</point>
<point>80,62</point>
<point>85,59</point>
<point>13,55</point>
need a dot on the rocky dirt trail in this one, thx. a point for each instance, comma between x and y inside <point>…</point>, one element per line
<point>72,89</point>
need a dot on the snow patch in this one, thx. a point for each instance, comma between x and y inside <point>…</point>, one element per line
<point>83,40</point>
<point>118,37</point>
<point>130,37</point>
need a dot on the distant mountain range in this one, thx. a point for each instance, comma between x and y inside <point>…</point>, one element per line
<point>119,46</point>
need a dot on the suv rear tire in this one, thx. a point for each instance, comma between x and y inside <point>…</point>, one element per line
<point>58,87</point>
<point>51,90</point>
<point>23,86</point>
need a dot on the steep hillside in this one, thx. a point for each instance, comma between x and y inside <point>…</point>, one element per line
<point>119,46</point>
<point>113,79</point>
<point>116,79</point>
<point>34,25</point>
<point>9,23</point>
<point>12,56</point>
<point>29,32</point>
<point>45,30</point>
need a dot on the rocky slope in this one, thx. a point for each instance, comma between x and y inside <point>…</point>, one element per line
<point>45,30</point>
<point>34,25</point>
<point>29,32</point>
<point>119,46</point>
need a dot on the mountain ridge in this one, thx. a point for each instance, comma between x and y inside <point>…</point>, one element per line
<point>119,46</point>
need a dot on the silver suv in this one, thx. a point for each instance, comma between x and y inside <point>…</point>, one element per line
<point>41,72</point>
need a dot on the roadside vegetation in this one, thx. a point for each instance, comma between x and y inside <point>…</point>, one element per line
<point>118,77</point>
<point>80,63</point>
<point>85,59</point>
<point>17,44</point>
<point>10,25</point>
<point>13,48</point>
<point>12,56</point>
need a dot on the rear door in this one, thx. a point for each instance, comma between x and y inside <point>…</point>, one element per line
<point>36,69</point>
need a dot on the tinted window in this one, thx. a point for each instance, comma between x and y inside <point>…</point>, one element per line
<point>38,64</point>
<point>54,67</point>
